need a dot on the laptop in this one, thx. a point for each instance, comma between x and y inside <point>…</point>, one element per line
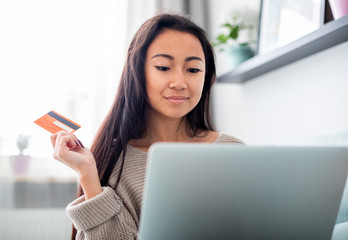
<point>218,191</point>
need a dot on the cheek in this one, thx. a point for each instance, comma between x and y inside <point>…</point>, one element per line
<point>198,88</point>
<point>150,81</point>
<point>154,87</point>
<point>150,91</point>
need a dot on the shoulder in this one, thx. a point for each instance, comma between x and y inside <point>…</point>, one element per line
<point>135,162</point>
<point>226,138</point>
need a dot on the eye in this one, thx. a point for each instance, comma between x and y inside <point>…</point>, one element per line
<point>162,68</point>
<point>194,70</point>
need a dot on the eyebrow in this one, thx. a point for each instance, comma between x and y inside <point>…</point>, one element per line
<point>172,58</point>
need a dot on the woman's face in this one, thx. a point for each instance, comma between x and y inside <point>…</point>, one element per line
<point>174,73</point>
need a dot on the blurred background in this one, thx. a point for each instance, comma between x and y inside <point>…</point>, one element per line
<point>67,56</point>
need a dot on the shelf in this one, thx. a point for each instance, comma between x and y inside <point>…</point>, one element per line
<point>329,35</point>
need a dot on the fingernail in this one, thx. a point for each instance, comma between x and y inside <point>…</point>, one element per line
<point>80,143</point>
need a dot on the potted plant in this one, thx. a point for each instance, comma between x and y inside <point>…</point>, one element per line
<point>237,40</point>
<point>20,162</point>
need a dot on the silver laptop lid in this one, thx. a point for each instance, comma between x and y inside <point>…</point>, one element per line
<point>213,191</point>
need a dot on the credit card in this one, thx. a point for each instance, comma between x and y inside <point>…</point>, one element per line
<point>54,122</point>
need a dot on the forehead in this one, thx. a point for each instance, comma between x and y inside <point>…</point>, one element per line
<point>176,43</point>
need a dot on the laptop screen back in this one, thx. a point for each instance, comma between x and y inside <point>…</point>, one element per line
<point>213,191</point>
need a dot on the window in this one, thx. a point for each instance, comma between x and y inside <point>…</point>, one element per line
<point>65,56</point>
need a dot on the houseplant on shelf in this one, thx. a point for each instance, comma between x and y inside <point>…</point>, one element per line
<point>237,40</point>
<point>20,162</point>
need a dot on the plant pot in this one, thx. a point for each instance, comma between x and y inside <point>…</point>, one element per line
<point>339,8</point>
<point>20,163</point>
<point>238,54</point>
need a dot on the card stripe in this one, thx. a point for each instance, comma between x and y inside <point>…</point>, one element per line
<point>63,120</point>
<point>63,126</point>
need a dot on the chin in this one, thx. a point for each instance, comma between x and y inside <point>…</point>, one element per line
<point>172,113</point>
<point>176,114</point>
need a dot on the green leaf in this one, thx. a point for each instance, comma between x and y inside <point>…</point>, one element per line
<point>227,25</point>
<point>234,32</point>
<point>222,38</point>
<point>215,44</point>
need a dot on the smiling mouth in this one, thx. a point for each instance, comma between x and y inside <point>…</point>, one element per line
<point>177,99</point>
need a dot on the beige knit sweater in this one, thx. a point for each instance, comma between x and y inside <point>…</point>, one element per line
<point>115,215</point>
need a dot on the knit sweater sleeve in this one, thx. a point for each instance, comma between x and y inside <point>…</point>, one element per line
<point>102,217</point>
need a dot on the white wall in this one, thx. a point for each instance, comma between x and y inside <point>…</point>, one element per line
<point>305,99</point>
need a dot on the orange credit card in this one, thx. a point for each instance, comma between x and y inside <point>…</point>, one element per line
<point>54,122</point>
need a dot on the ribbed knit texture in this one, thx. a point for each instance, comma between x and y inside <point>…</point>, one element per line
<point>112,215</point>
<point>95,211</point>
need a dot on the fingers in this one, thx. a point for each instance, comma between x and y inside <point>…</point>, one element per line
<point>63,141</point>
<point>70,151</point>
<point>53,139</point>
<point>56,138</point>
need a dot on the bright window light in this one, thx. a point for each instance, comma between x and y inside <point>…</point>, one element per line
<point>63,55</point>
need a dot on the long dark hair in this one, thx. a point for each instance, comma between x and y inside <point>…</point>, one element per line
<point>126,118</point>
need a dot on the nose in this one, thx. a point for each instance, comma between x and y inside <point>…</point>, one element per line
<point>178,82</point>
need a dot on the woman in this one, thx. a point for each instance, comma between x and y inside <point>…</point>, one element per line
<point>163,96</point>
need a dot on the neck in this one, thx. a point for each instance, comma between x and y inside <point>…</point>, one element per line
<point>162,129</point>
<point>165,129</point>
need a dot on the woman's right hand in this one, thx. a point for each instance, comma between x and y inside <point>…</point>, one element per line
<point>69,150</point>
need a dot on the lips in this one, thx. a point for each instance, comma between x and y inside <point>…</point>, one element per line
<point>177,99</point>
